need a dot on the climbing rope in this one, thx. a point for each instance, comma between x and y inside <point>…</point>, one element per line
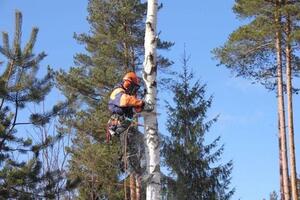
<point>125,160</point>
<point>133,123</point>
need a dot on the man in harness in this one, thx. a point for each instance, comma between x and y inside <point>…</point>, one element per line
<point>122,104</point>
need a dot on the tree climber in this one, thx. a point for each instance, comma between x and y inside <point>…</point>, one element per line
<point>122,103</point>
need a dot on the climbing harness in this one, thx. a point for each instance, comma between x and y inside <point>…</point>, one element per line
<point>125,160</point>
<point>111,127</point>
<point>115,123</point>
<point>126,157</point>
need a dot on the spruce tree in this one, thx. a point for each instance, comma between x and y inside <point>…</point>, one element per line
<point>114,46</point>
<point>20,88</point>
<point>195,171</point>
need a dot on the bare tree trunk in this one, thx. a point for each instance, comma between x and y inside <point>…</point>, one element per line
<point>281,111</point>
<point>289,87</point>
<point>138,187</point>
<point>153,183</point>
<point>135,187</point>
<point>132,186</point>
<point>280,163</point>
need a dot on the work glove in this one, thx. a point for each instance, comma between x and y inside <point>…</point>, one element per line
<point>148,106</point>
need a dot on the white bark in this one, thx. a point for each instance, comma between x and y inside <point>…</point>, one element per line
<point>153,187</point>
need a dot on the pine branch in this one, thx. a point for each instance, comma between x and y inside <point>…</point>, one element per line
<point>35,61</point>
<point>13,124</point>
<point>23,123</point>
<point>18,34</point>
<point>5,50</point>
<point>2,103</point>
<point>256,48</point>
<point>29,46</point>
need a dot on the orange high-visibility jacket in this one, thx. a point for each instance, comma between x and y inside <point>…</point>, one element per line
<point>123,104</point>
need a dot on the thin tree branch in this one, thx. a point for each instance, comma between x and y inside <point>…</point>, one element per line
<point>23,123</point>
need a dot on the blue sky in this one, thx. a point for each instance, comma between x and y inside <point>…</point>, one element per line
<point>247,122</point>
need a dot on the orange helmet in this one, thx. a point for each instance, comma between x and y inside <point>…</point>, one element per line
<point>130,78</point>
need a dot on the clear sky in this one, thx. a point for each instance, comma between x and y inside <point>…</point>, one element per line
<point>247,122</point>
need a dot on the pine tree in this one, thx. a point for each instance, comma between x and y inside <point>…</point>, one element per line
<point>194,165</point>
<point>20,88</point>
<point>290,12</point>
<point>273,196</point>
<point>114,46</point>
<point>256,50</point>
<point>280,97</point>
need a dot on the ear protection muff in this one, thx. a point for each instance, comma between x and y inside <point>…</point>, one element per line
<point>131,83</point>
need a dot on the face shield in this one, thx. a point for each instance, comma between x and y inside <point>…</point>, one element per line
<point>133,89</point>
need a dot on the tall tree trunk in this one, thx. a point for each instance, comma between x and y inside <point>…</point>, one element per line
<point>132,186</point>
<point>138,187</point>
<point>151,128</point>
<point>280,163</point>
<point>280,98</point>
<point>135,186</point>
<point>289,87</point>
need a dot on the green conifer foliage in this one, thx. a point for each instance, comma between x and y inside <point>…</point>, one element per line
<point>250,50</point>
<point>195,172</point>
<point>260,50</point>
<point>19,88</point>
<point>114,45</point>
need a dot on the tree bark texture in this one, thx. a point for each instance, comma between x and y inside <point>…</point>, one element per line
<point>281,111</point>
<point>132,187</point>
<point>138,187</point>
<point>289,87</point>
<point>153,183</point>
<point>280,163</point>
